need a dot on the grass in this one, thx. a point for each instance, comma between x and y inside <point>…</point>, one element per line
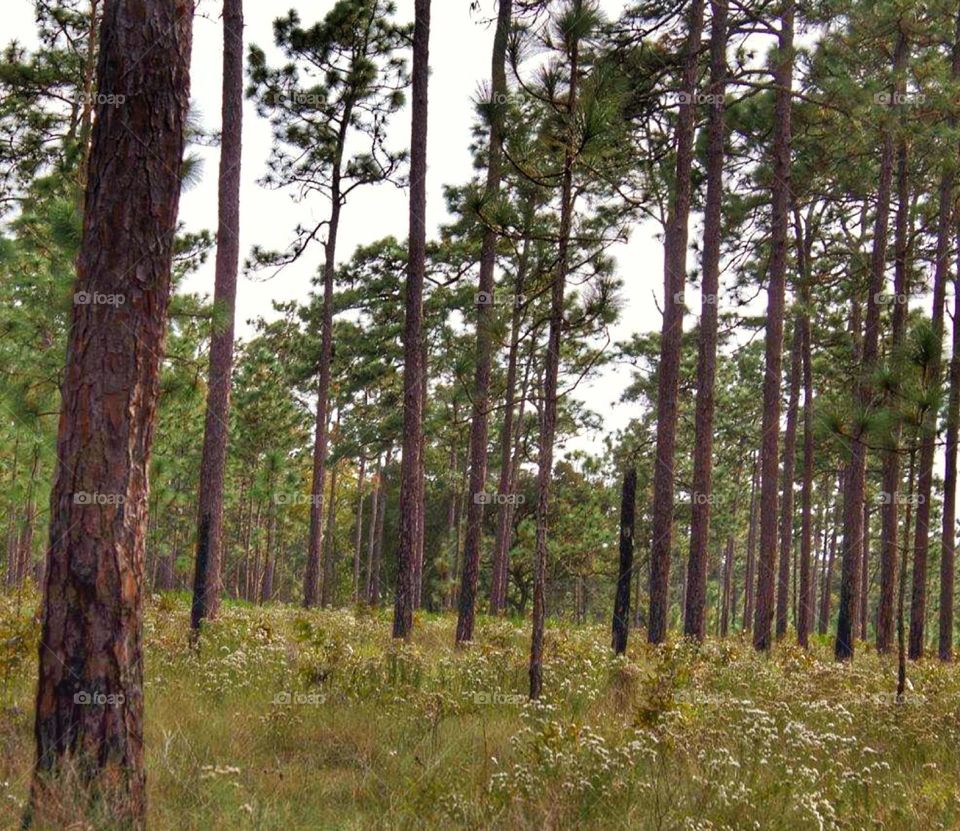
<point>292,720</point>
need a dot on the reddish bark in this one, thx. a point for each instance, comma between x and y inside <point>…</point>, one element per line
<point>410,473</point>
<point>671,337</point>
<point>89,707</point>
<point>207,581</point>
<point>696,594</point>
<point>776,289</point>
<point>485,321</point>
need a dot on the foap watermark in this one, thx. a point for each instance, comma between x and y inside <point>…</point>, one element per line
<point>901,498</point>
<point>491,298</point>
<point>290,699</point>
<point>507,699</point>
<point>882,298</point>
<point>96,298</point>
<point>98,699</point>
<point>297,499</point>
<point>102,99</point>
<point>706,299</point>
<point>499,498</point>
<point>899,99</point>
<point>709,99</point>
<point>94,498</point>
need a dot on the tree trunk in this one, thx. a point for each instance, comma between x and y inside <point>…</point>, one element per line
<point>485,322</point>
<point>918,598</point>
<point>358,539</point>
<point>548,416</point>
<point>902,593</point>
<point>750,566</point>
<point>854,494</point>
<point>789,471</point>
<point>207,578</point>
<point>949,535</point>
<point>621,606</point>
<point>696,595</point>
<point>372,541</point>
<point>501,551</point>
<point>328,594</point>
<point>89,706</point>
<point>671,337</point>
<point>410,473</point>
<point>783,78</point>
<point>826,591</point>
<point>806,598</point>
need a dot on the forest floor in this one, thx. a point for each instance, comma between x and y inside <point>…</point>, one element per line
<point>289,720</point>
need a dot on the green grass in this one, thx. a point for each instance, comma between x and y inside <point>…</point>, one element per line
<point>292,720</point>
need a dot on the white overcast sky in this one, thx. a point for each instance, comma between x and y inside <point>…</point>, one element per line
<point>460,63</point>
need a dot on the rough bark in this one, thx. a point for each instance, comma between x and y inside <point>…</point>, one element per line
<point>207,580</point>
<point>410,472</point>
<point>776,290</point>
<point>696,594</point>
<point>89,706</point>
<point>671,337</point>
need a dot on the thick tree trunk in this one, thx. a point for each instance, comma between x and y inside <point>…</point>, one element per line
<point>671,337</point>
<point>207,580</point>
<point>789,471</point>
<point>621,605</point>
<point>410,473</point>
<point>776,290</point>
<point>485,321</point>
<point>89,706</point>
<point>696,595</point>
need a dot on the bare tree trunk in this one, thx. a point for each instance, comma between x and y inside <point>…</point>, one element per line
<point>372,541</point>
<point>789,470</point>
<point>750,566</point>
<point>485,321</point>
<point>918,597</point>
<point>91,640</point>
<point>621,606</point>
<point>358,539</point>
<point>854,494</point>
<point>949,534</point>
<point>671,337</point>
<point>770,457</point>
<point>551,374</point>
<point>696,593</point>
<point>328,594</point>
<point>207,579</point>
<point>410,474</point>
<point>826,591</point>
<point>501,551</point>
<point>902,593</point>
<point>806,598</point>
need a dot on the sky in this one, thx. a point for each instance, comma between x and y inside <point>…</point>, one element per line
<point>460,64</point>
